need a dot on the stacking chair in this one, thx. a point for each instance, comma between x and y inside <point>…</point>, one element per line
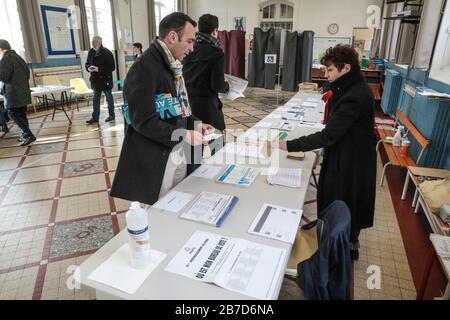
<point>320,257</point>
<point>80,89</point>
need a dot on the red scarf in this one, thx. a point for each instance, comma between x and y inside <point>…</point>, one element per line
<point>327,96</point>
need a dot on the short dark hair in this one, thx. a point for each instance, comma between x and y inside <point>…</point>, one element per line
<point>4,44</point>
<point>340,55</point>
<point>208,23</point>
<point>174,22</point>
<point>138,45</point>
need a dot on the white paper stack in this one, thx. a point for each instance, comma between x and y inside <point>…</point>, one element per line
<point>287,177</point>
<point>441,244</point>
<point>117,272</point>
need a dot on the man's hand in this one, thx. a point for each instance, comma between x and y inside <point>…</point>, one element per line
<point>206,129</point>
<point>282,145</point>
<point>194,138</point>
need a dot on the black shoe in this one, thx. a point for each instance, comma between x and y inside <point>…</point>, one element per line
<point>28,140</point>
<point>5,129</point>
<point>354,254</point>
<point>91,121</point>
<point>109,119</point>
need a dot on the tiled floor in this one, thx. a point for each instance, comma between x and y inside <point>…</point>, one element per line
<point>55,210</point>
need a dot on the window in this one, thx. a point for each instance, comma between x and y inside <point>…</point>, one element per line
<point>11,29</point>
<point>269,12</point>
<point>276,15</point>
<point>100,22</point>
<point>440,69</point>
<point>162,9</point>
<point>287,11</point>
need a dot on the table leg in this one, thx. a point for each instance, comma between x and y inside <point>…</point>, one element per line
<point>416,196</point>
<point>405,187</point>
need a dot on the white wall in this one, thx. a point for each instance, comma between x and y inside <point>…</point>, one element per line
<point>313,15</point>
<point>139,16</point>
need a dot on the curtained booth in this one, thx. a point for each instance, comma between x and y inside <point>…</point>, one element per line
<point>233,45</point>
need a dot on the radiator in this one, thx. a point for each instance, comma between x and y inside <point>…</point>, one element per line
<point>391,92</point>
<point>61,74</point>
<point>432,119</point>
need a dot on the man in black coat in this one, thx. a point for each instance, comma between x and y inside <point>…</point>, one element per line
<point>348,170</point>
<point>155,153</point>
<point>204,74</point>
<point>100,64</point>
<point>15,74</point>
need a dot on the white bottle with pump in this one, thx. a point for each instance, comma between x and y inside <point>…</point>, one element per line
<point>138,235</point>
<point>397,141</point>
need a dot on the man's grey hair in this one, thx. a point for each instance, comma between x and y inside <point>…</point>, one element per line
<point>97,38</point>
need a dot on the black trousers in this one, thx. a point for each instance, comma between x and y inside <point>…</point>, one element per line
<point>19,115</point>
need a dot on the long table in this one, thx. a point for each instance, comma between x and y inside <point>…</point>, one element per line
<point>169,233</point>
<point>43,92</point>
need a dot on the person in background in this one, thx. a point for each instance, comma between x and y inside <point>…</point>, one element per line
<point>137,49</point>
<point>153,158</point>
<point>3,114</point>
<point>204,74</point>
<point>100,64</point>
<point>348,171</point>
<point>15,75</point>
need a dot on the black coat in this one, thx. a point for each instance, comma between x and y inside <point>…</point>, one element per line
<point>104,60</point>
<point>204,75</point>
<point>147,143</point>
<point>349,163</point>
<point>15,74</point>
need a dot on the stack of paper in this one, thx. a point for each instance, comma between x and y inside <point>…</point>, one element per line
<point>234,264</point>
<point>441,244</point>
<point>277,223</point>
<point>286,177</point>
<point>117,272</point>
<point>206,171</point>
<point>294,116</point>
<point>283,126</point>
<point>238,175</point>
<point>308,104</point>
<point>210,208</point>
<point>174,201</point>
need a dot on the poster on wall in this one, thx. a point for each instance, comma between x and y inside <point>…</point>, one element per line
<point>58,30</point>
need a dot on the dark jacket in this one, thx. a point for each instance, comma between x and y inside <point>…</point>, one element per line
<point>15,74</point>
<point>104,60</point>
<point>148,142</point>
<point>204,75</point>
<point>327,274</point>
<point>349,163</point>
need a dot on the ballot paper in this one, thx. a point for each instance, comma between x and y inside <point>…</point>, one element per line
<point>287,177</point>
<point>207,171</point>
<point>259,134</point>
<point>313,100</point>
<point>234,264</point>
<point>237,88</point>
<point>117,272</point>
<point>293,116</point>
<point>277,223</point>
<point>238,175</point>
<point>242,149</point>
<point>174,201</point>
<point>283,125</point>
<point>274,116</point>
<point>210,208</point>
<point>308,104</point>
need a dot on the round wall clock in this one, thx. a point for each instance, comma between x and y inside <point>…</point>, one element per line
<point>333,28</point>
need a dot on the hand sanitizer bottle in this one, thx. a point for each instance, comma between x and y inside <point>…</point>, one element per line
<point>138,235</point>
<point>397,141</point>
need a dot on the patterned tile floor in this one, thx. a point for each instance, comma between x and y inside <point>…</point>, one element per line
<point>55,209</point>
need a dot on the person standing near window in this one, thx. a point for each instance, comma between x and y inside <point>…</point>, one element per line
<point>204,73</point>
<point>349,166</point>
<point>15,74</point>
<point>100,64</point>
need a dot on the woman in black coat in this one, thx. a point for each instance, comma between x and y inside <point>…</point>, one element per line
<point>349,163</point>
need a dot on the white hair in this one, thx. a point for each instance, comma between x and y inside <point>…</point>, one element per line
<point>97,38</point>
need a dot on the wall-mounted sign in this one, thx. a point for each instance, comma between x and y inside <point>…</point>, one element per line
<point>270,59</point>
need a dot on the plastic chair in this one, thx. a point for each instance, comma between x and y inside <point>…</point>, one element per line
<point>80,89</point>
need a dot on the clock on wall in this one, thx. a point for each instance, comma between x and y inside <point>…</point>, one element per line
<point>333,28</point>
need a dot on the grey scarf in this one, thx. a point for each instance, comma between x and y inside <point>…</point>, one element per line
<point>207,38</point>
